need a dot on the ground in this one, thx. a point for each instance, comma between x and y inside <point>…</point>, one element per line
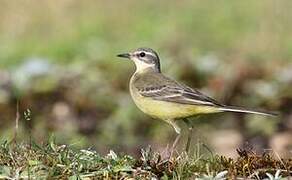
<point>49,160</point>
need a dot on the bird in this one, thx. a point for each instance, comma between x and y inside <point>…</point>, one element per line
<point>166,99</point>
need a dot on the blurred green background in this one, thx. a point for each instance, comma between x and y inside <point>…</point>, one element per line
<point>58,59</point>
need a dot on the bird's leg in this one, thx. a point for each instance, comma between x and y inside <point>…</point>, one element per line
<point>190,130</point>
<point>175,143</point>
<point>177,130</point>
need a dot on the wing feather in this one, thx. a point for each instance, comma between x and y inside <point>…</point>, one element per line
<point>169,90</point>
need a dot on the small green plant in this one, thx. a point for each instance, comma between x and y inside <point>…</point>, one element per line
<point>51,160</point>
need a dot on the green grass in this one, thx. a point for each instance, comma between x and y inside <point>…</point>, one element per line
<point>52,161</point>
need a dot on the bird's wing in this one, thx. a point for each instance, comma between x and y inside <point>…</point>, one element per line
<point>166,89</point>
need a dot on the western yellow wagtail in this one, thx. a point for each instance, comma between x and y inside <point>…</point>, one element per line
<point>168,100</point>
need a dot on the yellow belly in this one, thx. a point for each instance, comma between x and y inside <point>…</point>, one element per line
<point>168,110</point>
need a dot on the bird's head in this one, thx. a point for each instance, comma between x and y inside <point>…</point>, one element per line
<point>143,58</point>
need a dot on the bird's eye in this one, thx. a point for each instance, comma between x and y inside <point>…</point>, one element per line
<point>142,54</point>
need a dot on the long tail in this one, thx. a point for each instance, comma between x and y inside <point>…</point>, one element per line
<point>246,110</point>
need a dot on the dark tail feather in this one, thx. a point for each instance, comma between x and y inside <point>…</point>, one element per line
<point>246,110</point>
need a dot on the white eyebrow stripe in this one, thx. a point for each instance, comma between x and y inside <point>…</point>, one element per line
<point>148,53</point>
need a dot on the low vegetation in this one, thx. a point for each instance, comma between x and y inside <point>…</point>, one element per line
<point>49,160</point>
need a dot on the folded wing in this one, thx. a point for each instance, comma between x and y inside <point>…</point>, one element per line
<point>171,91</point>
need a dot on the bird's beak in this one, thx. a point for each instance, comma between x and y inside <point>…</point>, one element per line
<point>124,55</point>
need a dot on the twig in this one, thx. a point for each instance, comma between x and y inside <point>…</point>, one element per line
<point>16,122</point>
